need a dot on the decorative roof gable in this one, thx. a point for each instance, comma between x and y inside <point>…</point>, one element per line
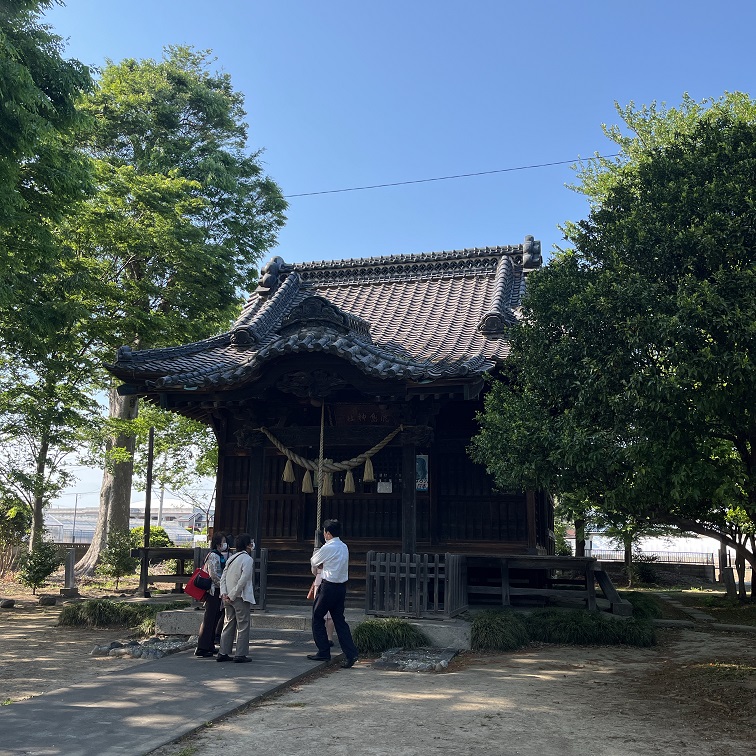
<point>418,318</point>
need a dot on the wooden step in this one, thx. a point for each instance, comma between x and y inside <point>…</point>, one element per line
<point>295,597</point>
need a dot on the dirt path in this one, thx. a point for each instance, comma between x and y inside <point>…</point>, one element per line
<point>606,701</point>
<point>36,656</point>
<point>693,694</point>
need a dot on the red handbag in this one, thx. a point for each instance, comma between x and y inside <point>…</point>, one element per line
<point>198,584</point>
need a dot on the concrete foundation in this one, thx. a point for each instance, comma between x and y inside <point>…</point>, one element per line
<point>454,633</point>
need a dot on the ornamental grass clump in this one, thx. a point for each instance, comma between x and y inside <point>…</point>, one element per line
<point>645,606</point>
<point>378,635</point>
<point>583,628</point>
<point>106,613</point>
<point>498,630</point>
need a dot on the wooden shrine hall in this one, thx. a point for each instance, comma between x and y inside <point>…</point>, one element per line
<point>355,384</point>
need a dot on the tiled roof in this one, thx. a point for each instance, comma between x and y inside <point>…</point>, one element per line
<point>418,318</point>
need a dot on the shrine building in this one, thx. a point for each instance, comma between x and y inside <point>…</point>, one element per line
<point>349,390</point>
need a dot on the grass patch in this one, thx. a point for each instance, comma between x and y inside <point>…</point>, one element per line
<point>498,630</point>
<point>187,751</point>
<point>505,630</point>
<point>106,613</point>
<point>645,605</point>
<point>582,628</point>
<point>721,608</point>
<point>374,636</point>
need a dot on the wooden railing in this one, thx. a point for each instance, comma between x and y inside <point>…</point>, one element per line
<point>197,556</point>
<point>415,585</point>
<point>543,584</point>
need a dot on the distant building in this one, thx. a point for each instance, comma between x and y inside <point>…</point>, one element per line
<point>174,511</point>
<point>69,525</point>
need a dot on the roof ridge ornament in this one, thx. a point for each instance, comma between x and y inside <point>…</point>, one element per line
<point>272,275</point>
<point>501,316</point>
<point>531,254</point>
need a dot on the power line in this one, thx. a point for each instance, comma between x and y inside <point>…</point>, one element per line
<point>446,178</point>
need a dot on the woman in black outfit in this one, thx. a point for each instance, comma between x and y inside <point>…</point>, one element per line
<point>215,561</point>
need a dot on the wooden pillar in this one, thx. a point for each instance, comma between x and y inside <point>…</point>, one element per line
<point>409,500</point>
<point>531,515</point>
<point>256,490</point>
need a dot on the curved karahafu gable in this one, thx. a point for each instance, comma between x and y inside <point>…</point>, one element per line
<point>416,318</point>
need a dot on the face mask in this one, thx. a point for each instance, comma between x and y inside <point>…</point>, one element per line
<point>223,547</point>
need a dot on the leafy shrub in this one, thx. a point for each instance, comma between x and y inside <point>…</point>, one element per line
<point>116,560</point>
<point>643,569</point>
<point>378,635</point>
<point>15,524</point>
<point>37,565</point>
<point>158,537</point>
<point>498,630</point>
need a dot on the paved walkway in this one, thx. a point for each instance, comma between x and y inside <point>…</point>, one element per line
<point>134,711</point>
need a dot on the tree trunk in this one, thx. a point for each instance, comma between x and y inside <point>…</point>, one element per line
<point>115,491</point>
<point>627,543</point>
<point>579,538</point>
<point>38,518</point>
<point>740,549</point>
<point>740,568</point>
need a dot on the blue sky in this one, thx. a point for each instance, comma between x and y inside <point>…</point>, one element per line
<point>346,94</point>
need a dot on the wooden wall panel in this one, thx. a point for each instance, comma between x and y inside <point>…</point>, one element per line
<point>231,510</point>
<point>469,509</point>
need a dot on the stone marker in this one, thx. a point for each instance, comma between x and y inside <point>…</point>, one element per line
<point>70,588</point>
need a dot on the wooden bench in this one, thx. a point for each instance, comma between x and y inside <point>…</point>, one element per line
<point>197,556</point>
<point>161,554</point>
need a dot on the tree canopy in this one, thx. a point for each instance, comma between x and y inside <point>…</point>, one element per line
<point>180,218</point>
<point>632,382</point>
<point>170,135</point>
<point>42,171</point>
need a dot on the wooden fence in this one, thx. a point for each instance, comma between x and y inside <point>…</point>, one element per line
<point>197,557</point>
<point>415,585</point>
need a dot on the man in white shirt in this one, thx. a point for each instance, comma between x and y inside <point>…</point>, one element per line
<point>238,594</point>
<point>334,557</point>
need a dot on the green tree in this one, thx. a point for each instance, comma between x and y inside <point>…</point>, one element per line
<point>45,372</point>
<point>38,564</point>
<point>15,524</point>
<point>183,214</point>
<point>46,412</point>
<point>116,560</point>
<point>185,453</point>
<point>42,172</point>
<point>632,383</point>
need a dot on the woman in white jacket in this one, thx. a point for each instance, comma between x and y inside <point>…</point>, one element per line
<point>238,594</point>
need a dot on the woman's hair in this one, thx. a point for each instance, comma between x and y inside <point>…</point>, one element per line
<point>217,539</point>
<point>242,541</point>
